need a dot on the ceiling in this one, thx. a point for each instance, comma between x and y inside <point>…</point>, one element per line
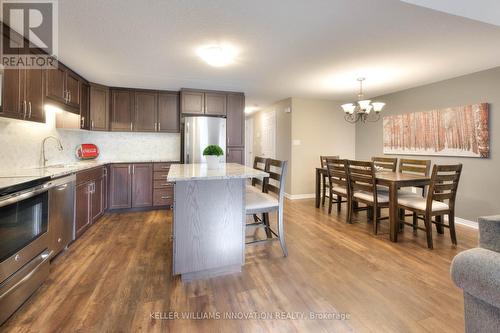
<point>308,48</point>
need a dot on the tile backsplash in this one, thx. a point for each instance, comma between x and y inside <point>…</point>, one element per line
<point>21,142</point>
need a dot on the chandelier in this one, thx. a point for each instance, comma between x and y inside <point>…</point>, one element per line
<point>362,110</point>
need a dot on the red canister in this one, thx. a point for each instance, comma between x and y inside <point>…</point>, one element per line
<point>87,151</point>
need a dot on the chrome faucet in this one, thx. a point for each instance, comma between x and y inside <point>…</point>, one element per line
<point>60,147</point>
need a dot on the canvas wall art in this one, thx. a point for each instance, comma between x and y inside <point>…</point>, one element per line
<point>457,131</point>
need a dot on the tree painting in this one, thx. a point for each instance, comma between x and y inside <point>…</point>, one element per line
<point>457,131</point>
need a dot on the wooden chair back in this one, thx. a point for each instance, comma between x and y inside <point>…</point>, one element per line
<point>444,184</point>
<point>337,172</point>
<point>277,178</point>
<point>386,163</point>
<point>416,167</point>
<point>323,160</point>
<point>259,163</point>
<point>361,177</point>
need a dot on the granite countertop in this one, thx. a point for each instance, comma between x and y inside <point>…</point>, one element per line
<point>11,177</point>
<point>187,172</point>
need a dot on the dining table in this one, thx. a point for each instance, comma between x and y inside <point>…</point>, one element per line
<point>393,181</point>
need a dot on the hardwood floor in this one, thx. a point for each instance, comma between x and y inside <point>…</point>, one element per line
<point>119,272</point>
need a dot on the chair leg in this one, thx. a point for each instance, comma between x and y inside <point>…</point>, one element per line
<point>339,203</point>
<point>369,213</point>
<point>439,226</point>
<point>350,207</point>
<point>281,232</point>
<point>375,219</point>
<point>330,203</point>
<point>265,218</point>
<point>451,223</point>
<point>428,230</point>
<point>415,223</point>
<point>324,192</point>
<point>401,218</point>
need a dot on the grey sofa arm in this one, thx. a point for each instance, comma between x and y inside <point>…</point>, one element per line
<point>489,233</point>
<point>477,272</point>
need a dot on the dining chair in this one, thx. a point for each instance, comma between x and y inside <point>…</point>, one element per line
<point>257,184</point>
<point>337,177</point>
<point>443,187</point>
<point>386,163</point>
<point>326,185</point>
<point>414,167</point>
<point>363,189</point>
<point>270,200</point>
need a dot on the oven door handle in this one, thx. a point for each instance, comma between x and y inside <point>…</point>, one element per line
<point>23,196</point>
<point>44,257</point>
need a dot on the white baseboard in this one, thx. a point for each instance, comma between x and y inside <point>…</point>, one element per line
<point>467,223</point>
<point>300,196</point>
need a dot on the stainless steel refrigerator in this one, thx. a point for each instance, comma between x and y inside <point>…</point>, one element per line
<point>199,132</point>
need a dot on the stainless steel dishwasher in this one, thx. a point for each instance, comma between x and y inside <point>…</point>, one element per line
<point>61,214</point>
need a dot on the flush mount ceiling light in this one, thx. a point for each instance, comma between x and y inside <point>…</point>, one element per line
<point>362,110</point>
<point>218,55</point>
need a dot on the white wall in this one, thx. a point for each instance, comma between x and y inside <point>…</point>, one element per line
<point>20,144</point>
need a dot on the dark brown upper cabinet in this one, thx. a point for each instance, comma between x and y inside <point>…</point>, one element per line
<point>122,103</point>
<point>235,120</point>
<point>192,102</point>
<point>23,93</point>
<point>99,108</point>
<point>85,106</point>
<point>196,102</point>
<point>168,112</point>
<point>63,87</point>
<point>145,111</point>
<point>215,104</point>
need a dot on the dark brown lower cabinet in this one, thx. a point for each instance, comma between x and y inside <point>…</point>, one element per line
<point>90,194</point>
<point>235,155</point>
<point>142,185</point>
<point>131,185</point>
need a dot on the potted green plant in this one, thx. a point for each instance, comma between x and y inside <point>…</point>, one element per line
<point>212,154</point>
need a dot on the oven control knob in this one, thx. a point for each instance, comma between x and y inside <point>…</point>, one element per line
<point>17,257</point>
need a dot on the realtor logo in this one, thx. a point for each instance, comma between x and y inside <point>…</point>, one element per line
<point>29,33</point>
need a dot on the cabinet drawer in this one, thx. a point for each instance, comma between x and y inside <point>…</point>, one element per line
<point>164,167</point>
<point>163,197</point>
<point>160,175</point>
<point>158,184</point>
<point>89,175</point>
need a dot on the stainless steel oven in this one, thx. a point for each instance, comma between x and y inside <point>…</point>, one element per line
<point>24,256</point>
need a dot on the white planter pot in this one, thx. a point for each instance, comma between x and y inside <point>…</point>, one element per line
<point>212,162</point>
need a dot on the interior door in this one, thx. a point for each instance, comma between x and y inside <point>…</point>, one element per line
<point>249,142</point>
<point>268,135</point>
<point>145,110</point>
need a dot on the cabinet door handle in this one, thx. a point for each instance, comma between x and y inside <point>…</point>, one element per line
<point>159,127</point>
<point>131,126</point>
<point>92,124</point>
<point>69,96</point>
<point>83,122</point>
<point>129,170</point>
<point>133,169</point>
<point>167,197</point>
<point>29,105</point>
<point>24,109</point>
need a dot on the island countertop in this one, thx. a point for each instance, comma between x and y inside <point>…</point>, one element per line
<point>188,172</point>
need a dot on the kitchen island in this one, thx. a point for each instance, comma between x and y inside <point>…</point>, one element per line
<point>209,218</point>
